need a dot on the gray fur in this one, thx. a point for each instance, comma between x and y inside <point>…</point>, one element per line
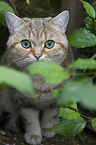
<point>38,31</point>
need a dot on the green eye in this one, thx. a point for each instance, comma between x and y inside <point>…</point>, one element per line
<point>49,44</point>
<point>26,43</point>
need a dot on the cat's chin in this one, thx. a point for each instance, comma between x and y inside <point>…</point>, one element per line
<point>48,59</point>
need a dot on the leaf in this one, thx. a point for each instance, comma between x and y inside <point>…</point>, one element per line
<point>73,106</point>
<point>68,93</point>
<point>89,9</point>
<point>51,71</point>
<point>82,38</point>
<point>69,127</point>
<point>68,114</point>
<point>94,123</point>
<point>4,7</point>
<point>83,64</point>
<point>16,79</point>
<point>89,23</point>
<point>78,90</point>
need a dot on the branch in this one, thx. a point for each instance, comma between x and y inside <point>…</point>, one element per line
<point>13,6</point>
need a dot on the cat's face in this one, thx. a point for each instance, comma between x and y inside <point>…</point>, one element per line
<point>37,39</point>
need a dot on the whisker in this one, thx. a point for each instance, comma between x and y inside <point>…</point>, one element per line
<point>22,67</point>
<point>14,64</point>
<point>17,66</point>
<point>17,60</point>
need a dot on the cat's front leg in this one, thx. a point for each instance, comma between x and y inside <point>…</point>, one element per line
<point>32,126</point>
<point>49,117</point>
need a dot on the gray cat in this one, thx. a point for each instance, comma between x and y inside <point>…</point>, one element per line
<point>31,40</point>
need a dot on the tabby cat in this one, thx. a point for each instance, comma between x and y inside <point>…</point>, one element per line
<point>34,39</point>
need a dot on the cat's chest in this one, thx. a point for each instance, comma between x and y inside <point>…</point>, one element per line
<point>43,96</point>
<point>42,100</point>
<point>40,85</point>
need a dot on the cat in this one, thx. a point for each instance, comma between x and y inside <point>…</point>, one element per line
<point>34,39</point>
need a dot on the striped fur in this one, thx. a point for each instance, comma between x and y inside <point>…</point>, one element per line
<point>37,31</point>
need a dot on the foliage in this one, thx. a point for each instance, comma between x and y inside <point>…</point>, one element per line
<point>18,80</point>
<point>4,7</point>
<point>84,64</point>
<point>79,88</point>
<point>47,69</point>
<point>69,127</point>
<point>68,114</point>
<point>89,9</point>
<point>82,38</point>
<point>94,123</point>
<point>90,21</point>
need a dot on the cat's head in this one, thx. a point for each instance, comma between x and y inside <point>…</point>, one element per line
<point>33,39</point>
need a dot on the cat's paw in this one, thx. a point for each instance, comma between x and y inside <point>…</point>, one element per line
<point>32,139</point>
<point>46,133</point>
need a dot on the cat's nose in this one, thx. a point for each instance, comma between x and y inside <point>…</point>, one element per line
<point>37,55</point>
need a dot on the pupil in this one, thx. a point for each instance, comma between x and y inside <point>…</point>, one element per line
<point>26,43</point>
<point>49,43</point>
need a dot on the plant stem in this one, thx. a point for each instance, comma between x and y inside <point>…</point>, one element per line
<point>13,6</point>
<point>86,116</point>
<point>83,74</point>
<point>95,26</point>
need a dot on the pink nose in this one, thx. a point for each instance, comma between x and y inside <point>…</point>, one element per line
<point>37,55</point>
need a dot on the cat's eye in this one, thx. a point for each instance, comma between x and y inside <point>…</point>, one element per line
<point>49,44</point>
<point>26,43</point>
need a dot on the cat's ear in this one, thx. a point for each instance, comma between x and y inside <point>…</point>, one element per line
<point>13,21</point>
<point>61,21</point>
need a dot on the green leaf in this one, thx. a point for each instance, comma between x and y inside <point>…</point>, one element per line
<point>82,38</point>
<point>68,93</point>
<point>89,22</point>
<point>4,7</point>
<point>94,123</point>
<point>83,64</point>
<point>16,79</point>
<point>78,90</point>
<point>51,71</point>
<point>68,114</point>
<point>73,106</point>
<point>69,127</point>
<point>89,9</point>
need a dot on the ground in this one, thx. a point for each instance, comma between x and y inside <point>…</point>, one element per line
<point>87,137</point>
